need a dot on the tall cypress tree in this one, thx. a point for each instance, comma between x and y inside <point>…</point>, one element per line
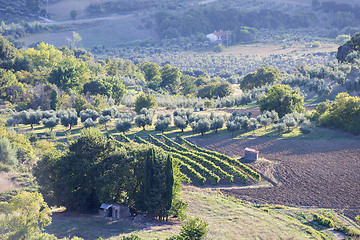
<point>169,183</point>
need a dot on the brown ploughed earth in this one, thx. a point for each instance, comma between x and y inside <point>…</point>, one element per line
<point>317,173</point>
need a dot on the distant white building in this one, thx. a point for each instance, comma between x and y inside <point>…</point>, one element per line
<point>218,37</point>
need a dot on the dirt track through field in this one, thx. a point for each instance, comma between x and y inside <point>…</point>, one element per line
<point>310,173</point>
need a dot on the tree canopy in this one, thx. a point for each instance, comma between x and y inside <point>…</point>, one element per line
<point>264,75</point>
<point>282,99</point>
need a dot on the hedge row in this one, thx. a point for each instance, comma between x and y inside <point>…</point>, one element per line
<point>198,167</point>
<point>188,169</point>
<point>184,166</point>
<point>253,174</point>
<point>323,220</point>
<point>140,140</point>
<point>174,144</point>
<point>125,138</point>
<point>211,158</point>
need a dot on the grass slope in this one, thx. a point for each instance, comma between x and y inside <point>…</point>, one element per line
<point>228,218</point>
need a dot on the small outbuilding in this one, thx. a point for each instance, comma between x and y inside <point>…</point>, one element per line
<point>114,211</point>
<point>218,37</point>
<point>251,154</point>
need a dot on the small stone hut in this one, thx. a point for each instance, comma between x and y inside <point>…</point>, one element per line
<point>251,154</point>
<point>114,211</point>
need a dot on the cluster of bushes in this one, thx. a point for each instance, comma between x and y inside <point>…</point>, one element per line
<point>343,113</point>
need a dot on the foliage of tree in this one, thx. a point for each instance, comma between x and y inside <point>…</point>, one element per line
<point>202,125</point>
<point>144,101</point>
<point>88,113</point>
<point>205,19</point>
<point>104,120</point>
<point>24,216</point>
<point>112,112</point>
<point>96,170</point>
<point>163,122</point>
<point>343,113</point>
<point>68,117</point>
<point>263,76</point>
<point>282,99</point>
<point>181,122</point>
<point>31,117</point>
<point>7,153</point>
<point>217,122</point>
<point>89,123</point>
<point>215,90</point>
<point>144,118</point>
<point>352,45</point>
<point>170,78</point>
<point>74,14</point>
<point>50,122</point>
<point>123,125</point>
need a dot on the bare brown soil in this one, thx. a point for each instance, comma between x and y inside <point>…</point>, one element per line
<point>6,183</point>
<point>316,173</point>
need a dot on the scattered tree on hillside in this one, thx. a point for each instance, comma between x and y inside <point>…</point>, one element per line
<point>104,120</point>
<point>144,101</point>
<point>50,122</point>
<point>88,113</point>
<point>282,99</point>
<point>7,153</point>
<point>194,228</point>
<point>144,118</point>
<point>89,123</point>
<point>163,122</point>
<point>170,78</point>
<point>123,125</point>
<point>68,117</point>
<point>263,76</point>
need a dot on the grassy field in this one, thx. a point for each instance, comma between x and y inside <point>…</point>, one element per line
<point>228,218</point>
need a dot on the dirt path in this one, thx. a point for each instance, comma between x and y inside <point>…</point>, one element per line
<point>87,20</point>
<point>6,183</point>
<point>309,173</point>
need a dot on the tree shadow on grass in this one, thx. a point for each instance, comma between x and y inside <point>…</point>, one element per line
<point>93,226</point>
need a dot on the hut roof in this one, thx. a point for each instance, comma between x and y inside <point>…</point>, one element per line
<point>105,206</point>
<point>251,150</point>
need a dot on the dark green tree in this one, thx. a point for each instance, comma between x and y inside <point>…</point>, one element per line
<point>264,75</point>
<point>144,101</point>
<point>54,100</point>
<point>123,125</point>
<point>170,78</point>
<point>282,99</point>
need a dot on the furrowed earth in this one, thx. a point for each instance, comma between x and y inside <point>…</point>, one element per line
<point>316,173</point>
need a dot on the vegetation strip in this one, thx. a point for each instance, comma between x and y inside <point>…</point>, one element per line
<point>233,161</point>
<point>212,158</point>
<point>199,167</point>
<point>184,163</point>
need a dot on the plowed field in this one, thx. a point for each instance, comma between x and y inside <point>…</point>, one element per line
<point>307,172</point>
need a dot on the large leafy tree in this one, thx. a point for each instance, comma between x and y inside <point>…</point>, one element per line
<point>282,99</point>
<point>352,45</point>
<point>170,78</point>
<point>96,170</point>
<point>144,101</point>
<point>343,113</point>
<point>264,75</point>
